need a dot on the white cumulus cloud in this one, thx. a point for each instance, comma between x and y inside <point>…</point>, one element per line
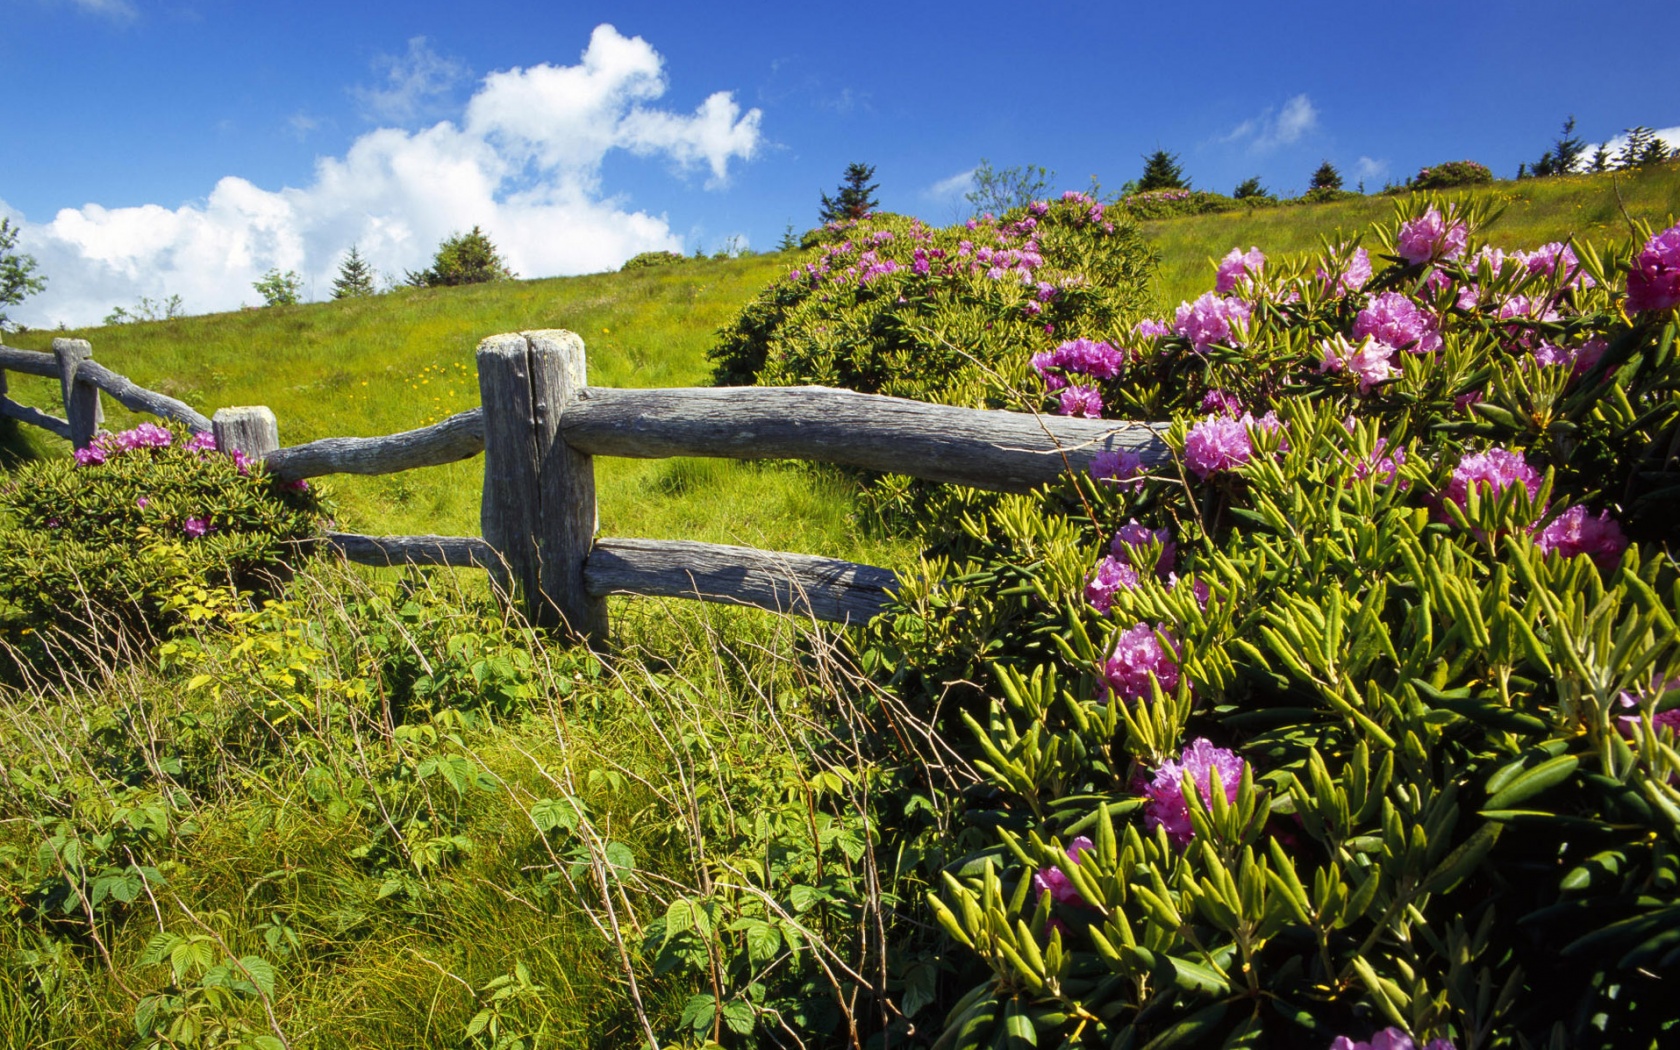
<point>1369,169</point>
<point>1276,127</point>
<point>1614,146</point>
<point>952,188</point>
<point>524,163</point>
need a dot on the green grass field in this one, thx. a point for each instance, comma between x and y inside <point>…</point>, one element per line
<point>1594,208</point>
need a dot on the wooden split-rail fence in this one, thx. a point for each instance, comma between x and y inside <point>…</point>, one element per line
<point>540,426</point>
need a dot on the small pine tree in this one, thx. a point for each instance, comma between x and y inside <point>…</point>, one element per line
<point>463,258</point>
<point>1249,187</point>
<point>1565,154</point>
<point>855,199</point>
<point>788,242</point>
<point>1161,171</point>
<point>1643,147</point>
<point>355,276</point>
<point>1326,177</point>
<point>1600,159</point>
<point>279,289</point>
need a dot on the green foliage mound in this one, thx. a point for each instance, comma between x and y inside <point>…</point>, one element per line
<point>1358,714</point>
<point>1451,173</point>
<point>646,259</point>
<point>92,548</point>
<point>889,305</point>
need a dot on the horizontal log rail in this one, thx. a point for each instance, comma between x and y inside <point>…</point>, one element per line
<point>128,393</point>
<point>827,589</point>
<point>540,426</point>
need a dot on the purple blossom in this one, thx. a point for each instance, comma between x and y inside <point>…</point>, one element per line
<point>1222,443</point>
<point>1355,272</point>
<point>300,485</point>
<point>1201,761</point>
<point>1211,319</point>
<point>1578,359</point>
<point>1111,575</point>
<point>1660,720</point>
<point>1139,657</point>
<point>1371,361</point>
<point>1394,319</point>
<point>1055,882</point>
<point>1429,236</point>
<point>1132,537</point>
<point>1221,403</point>
<point>1151,329</point>
<point>1549,258</point>
<point>1239,267</point>
<point>1653,282</point>
<point>201,441</point>
<point>1491,472</point>
<point>1039,208</point>
<point>146,435</point>
<point>1575,532</point>
<point>1122,466</point>
<point>1079,400</point>
<point>1047,291</point>
<point>1380,464</point>
<point>142,502</point>
<point>91,456</point>
<point>196,527</point>
<point>1390,1038</point>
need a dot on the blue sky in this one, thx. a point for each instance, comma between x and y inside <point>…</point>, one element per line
<point>187,146</point>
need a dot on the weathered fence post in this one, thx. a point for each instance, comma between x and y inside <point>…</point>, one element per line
<point>539,493</point>
<point>250,429</point>
<point>81,398</point>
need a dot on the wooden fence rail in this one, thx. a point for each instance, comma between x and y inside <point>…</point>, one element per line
<point>540,427</point>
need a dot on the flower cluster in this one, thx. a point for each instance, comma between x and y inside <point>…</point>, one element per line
<point>1055,882</point>
<point>1200,762</point>
<point>1393,319</point>
<point>1222,443</point>
<point>1432,236</point>
<point>1138,657</point>
<point>1574,531</point>
<point>1653,282</point>
<point>1082,357</point>
<point>1212,319</point>
<point>1239,267</point>
<point>1372,362</point>
<point>1119,568</point>
<point>1390,1038</point>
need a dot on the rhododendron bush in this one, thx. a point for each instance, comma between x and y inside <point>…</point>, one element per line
<point>1354,724</point>
<point>92,546</point>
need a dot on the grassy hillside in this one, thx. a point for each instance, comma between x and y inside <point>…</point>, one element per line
<point>1587,207</point>
<point>379,365</point>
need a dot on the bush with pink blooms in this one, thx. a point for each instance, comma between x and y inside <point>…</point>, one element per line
<point>1353,724</point>
<point>95,544</point>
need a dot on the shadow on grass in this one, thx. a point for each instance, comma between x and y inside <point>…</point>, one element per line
<point>15,447</point>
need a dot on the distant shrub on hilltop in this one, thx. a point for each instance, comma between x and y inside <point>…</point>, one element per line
<point>647,259</point>
<point>1451,173</point>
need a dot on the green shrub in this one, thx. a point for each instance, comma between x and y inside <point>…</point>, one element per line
<point>1451,173</point>
<point>645,259</point>
<point>1325,195</point>
<point>92,547</point>
<point>1166,204</point>
<point>1442,708</point>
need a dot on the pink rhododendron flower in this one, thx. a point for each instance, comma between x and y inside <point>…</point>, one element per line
<point>1394,319</point>
<point>1055,882</point>
<point>196,527</point>
<point>1355,272</point>
<point>1549,258</point>
<point>146,435</point>
<point>1578,359</point>
<point>91,456</point>
<point>1430,236</point>
<point>1238,267</point>
<point>1221,403</point>
<point>1122,466</point>
<point>142,503</point>
<point>1491,472</point>
<point>1661,720</point>
<point>1044,363</point>
<point>1138,656</point>
<point>1217,443</point>
<point>1211,319</point>
<point>201,441</point>
<point>1371,361</point>
<point>1111,575</point>
<point>1201,761</point>
<point>1575,532</point>
<point>1081,401</point>
<point>1390,1038</point>
<point>1132,536</point>
<point>1150,329</point>
<point>1653,282</point>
